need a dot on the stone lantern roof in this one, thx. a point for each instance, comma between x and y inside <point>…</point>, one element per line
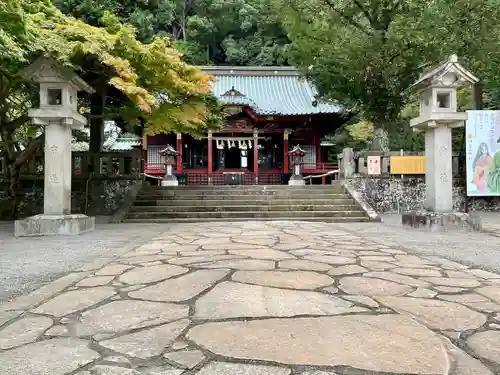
<point>440,76</point>
<point>297,151</point>
<point>46,70</point>
<point>169,151</point>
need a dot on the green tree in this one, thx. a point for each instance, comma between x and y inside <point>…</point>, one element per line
<point>239,32</point>
<point>147,84</point>
<point>208,31</point>
<point>366,53</point>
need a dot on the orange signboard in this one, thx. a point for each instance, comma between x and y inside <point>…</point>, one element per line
<point>407,164</point>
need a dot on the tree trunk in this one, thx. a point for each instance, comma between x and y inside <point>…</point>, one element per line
<point>97,102</point>
<point>13,173</point>
<point>14,162</point>
<point>380,140</point>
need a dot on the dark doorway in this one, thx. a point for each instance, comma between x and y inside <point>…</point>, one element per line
<point>233,158</point>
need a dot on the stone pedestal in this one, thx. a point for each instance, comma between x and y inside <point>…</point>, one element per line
<point>170,181</point>
<point>54,225</point>
<point>296,180</point>
<point>437,222</point>
<point>438,175</point>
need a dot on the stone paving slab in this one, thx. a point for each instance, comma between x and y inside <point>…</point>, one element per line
<point>258,298</point>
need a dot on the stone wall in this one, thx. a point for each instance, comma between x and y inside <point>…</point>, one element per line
<point>392,195</point>
<point>103,197</point>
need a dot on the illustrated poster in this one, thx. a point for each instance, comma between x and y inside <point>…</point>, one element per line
<point>482,131</point>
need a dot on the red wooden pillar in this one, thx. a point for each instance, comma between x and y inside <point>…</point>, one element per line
<point>179,150</point>
<point>256,155</point>
<point>145,151</point>
<point>285,151</point>
<point>209,167</point>
<point>318,152</point>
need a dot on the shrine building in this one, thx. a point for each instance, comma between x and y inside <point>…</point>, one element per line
<point>269,110</point>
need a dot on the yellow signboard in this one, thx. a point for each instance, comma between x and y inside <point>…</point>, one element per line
<point>407,164</point>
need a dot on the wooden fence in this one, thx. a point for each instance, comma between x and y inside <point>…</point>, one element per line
<point>413,163</point>
<point>85,165</point>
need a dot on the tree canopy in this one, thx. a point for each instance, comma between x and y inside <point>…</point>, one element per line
<point>366,53</point>
<point>135,82</point>
<point>239,32</point>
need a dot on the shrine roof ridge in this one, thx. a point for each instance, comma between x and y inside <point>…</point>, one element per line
<point>251,70</point>
<point>269,90</point>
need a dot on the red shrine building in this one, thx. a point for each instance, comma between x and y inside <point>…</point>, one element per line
<point>269,110</point>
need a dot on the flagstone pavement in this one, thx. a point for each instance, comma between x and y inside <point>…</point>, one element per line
<point>258,298</point>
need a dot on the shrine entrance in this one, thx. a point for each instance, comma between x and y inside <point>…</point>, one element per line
<point>233,153</point>
<point>233,159</point>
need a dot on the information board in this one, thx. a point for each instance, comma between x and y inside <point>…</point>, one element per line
<point>482,132</point>
<point>410,165</point>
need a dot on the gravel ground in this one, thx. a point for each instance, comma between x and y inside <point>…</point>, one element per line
<point>28,263</point>
<point>469,248</point>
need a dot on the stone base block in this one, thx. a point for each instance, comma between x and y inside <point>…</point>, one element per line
<point>170,181</point>
<point>296,180</point>
<point>54,225</point>
<point>436,222</point>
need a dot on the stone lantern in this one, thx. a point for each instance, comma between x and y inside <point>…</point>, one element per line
<point>170,154</point>
<point>296,156</point>
<point>58,113</point>
<point>437,90</point>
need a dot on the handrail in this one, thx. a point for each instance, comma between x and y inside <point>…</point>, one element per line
<point>319,165</point>
<point>329,173</point>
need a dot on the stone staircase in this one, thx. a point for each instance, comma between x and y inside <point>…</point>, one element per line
<point>325,203</point>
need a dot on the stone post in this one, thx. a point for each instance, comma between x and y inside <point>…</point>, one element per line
<point>361,165</point>
<point>57,169</point>
<point>348,162</point>
<point>438,169</point>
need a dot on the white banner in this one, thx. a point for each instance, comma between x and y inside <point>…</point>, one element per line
<point>482,132</point>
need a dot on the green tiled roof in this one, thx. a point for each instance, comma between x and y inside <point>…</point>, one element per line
<point>268,90</point>
<point>125,142</point>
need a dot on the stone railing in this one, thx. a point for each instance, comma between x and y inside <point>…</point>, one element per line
<point>109,165</point>
<point>359,165</point>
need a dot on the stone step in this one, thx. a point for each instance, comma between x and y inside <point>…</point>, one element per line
<point>236,191</point>
<point>154,197</point>
<point>225,207</point>
<point>256,201</point>
<point>243,214</point>
<point>352,219</point>
<point>244,187</point>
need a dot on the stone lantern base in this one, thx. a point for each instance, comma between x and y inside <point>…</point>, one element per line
<point>438,222</point>
<point>296,180</point>
<point>169,181</point>
<point>54,225</point>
